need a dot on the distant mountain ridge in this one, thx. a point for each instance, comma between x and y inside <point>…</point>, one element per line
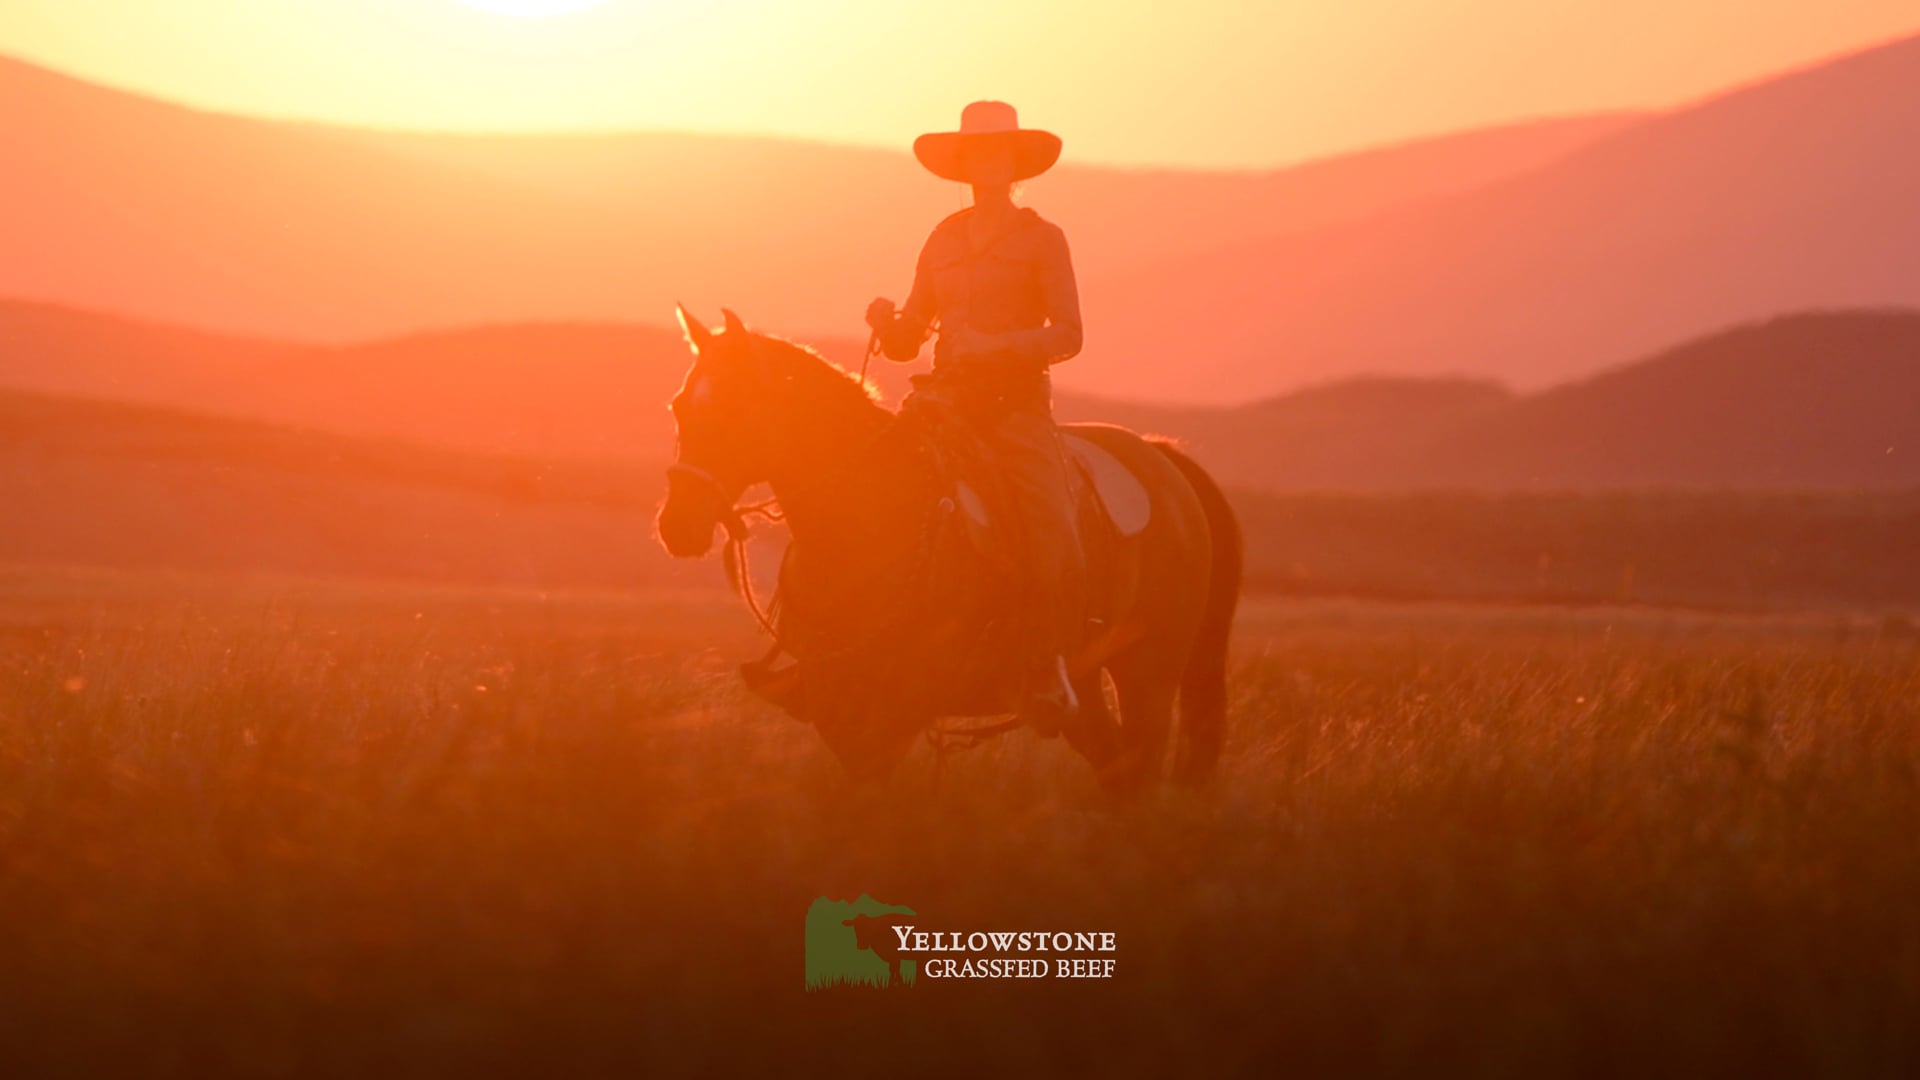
<point>1805,401</point>
<point>1808,401</point>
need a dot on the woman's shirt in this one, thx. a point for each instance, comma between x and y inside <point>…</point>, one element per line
<point>1020,285</point>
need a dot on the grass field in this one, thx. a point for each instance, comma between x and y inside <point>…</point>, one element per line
<point>283,828</point>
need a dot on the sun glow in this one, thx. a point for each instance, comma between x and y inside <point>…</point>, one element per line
<point>1230,76</point>
<point>532,9</point>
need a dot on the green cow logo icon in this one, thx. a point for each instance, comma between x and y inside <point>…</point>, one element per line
<point>853,943</point>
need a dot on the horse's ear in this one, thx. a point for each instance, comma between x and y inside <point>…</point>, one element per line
<point>697,333</point>
<point>734,325</point>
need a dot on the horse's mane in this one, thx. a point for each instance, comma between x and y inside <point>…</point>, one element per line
<point>808,368</point>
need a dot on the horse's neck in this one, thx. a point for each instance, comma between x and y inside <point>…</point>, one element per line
<point>856,500</point>
<point>841,483</point>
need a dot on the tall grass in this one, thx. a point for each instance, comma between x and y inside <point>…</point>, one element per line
<point>279,831</point>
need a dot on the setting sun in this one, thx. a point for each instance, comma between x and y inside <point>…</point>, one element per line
<point>532,9</point>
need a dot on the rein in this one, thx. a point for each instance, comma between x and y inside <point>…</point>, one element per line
<point>873,350</point>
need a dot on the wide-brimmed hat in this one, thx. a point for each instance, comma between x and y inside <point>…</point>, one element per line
<point>1034,151</point>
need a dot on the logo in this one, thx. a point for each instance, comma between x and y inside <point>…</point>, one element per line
<point>866,943</point>
<point>853,943</point>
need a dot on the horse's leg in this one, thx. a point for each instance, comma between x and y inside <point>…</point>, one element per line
<point>1146,720</point>
<point>1203,683</point>
<point>1174,585</point>
<point>1094,732</point>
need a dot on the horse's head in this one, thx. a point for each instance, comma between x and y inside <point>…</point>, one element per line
<point>721,420</point>
<point>750,407</point>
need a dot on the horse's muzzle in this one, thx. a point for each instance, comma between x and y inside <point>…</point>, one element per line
<point>686,523</point>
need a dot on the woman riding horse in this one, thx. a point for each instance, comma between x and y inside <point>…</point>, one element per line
<point>996,283</point>
<point>892,616</point>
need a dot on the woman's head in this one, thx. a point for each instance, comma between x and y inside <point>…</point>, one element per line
<point>988,162</point>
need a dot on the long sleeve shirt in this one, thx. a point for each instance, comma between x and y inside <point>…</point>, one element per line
<point>1019,287</point>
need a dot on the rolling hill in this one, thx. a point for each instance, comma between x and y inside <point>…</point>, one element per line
<point>596,391</point>
<point>1364,433</point>
<point>136,490</point>
<point>1791,194</point>
<point>90,483</point>
<point>1816,400</point>
<point>303,232</point>
<point>1802,402</point>
<point>553,390</point>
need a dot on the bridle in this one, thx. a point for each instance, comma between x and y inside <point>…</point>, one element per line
<point>734,520</point>
<point>736,514</point>
<point>731,518</point>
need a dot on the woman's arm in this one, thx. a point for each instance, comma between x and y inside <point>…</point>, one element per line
<point>901,340</point>
<point>1061,338</point>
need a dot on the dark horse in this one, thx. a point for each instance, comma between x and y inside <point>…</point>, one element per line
<point>894,610</point>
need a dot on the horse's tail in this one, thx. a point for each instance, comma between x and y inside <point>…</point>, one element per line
<point>1203,687</point>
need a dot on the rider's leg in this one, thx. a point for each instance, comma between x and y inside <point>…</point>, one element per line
<point>1035,467</point>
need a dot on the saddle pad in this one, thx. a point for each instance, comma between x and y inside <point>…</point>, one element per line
<point>1121,493</point>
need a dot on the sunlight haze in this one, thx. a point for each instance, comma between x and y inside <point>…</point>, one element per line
<point>533,9</point>
<point>1204,84</point>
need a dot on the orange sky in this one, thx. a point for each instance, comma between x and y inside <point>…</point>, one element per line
<point>1205,82</point>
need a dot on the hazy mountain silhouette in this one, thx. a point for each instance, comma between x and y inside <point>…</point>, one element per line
<point>557,390</point>
<point>1358,432</point>
<point>1808,401</point>
<point>306,232</point>
<point>1794,193</point>
<point>1812,400</point>
<point>1824,400</point>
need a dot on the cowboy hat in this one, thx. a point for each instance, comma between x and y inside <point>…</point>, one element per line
<point>942,152</point>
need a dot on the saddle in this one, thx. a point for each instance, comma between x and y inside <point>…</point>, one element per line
<point>1106,490</point>
<point>1110,498</point>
